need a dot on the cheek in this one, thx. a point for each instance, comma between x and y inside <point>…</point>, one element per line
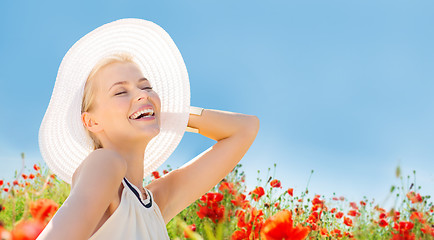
<point>117,108</point>
<point>157,100</point>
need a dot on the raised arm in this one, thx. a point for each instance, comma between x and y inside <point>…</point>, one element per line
<point>94,188</point>
<point>234,133</point>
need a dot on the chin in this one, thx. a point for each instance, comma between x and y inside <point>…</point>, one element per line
<point>150,134</point>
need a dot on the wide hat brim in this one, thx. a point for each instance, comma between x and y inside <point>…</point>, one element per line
<point>63,140</point>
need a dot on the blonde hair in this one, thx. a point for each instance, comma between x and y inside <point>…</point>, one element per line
<point>89,88</point>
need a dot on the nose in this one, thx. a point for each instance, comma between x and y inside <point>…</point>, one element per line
<point>140,98</point>
<point>143,94</point>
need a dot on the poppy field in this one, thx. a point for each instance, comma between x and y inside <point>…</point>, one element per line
<point>230,211</point>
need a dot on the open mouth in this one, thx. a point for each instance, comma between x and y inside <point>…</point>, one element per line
<point>143,114</point>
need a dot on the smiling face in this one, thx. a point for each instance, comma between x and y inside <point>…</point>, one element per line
<point>120,90</point>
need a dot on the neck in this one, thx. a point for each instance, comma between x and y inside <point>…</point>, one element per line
<point>134,157</point>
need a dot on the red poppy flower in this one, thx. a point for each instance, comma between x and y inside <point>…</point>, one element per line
<point>156,174</point>
<point>333,210</point>
<point>240,201</point>
<point>6,189</point>
<point>379,209</point>
<point>26,230</point>
<point>315,208</point>
<point>418,216</point>
<point>414,197</point>
<point>228,187</point>
<point>354,205</point>
<point>276,183</point>
<point>427,229</point>
<point>336,233</point>
<point>240,235</point>
<point>36,167</point>
<point>212,209</point>
<point>257,193</point>
<point>280,226</point>
<point>324,232</point>
<point>192,227</point>
<point>313,217</point>
<point>313,227</point>
<point>43,209</point>
<point>24,176</point>
<point>211,197</point>
<point>383,223</point>
<point>394,214</point>
<point>317,201</point>
<point>214,212</point>
<point>353,213</point>
<point>339,215</point>
<point>404,226</point>
<point>251,222</point>
<point>348,234</point>
<point>348,222</point>
<point>291,191</point>
<point>403,231</point>
<point>31,176</point>
<point>15,182</point>
<point>362,203</point>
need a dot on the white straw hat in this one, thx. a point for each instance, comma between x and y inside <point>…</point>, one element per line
<point>63,140</point>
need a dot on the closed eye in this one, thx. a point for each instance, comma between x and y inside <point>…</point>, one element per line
<point>119,93</point>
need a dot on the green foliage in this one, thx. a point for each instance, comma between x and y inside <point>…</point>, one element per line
<point>44,185</point>
<point>365,225</point>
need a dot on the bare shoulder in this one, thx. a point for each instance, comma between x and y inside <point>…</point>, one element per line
<point>97,161</point>
<point>94,186</point>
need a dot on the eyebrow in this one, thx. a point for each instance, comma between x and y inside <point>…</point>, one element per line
<point>125,82</point>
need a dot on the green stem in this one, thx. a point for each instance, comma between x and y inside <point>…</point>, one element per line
<point>209,232</point>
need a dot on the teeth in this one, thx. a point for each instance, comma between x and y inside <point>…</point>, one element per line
<point>149,111</point>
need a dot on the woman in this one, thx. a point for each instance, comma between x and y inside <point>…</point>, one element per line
<point>130,84</point>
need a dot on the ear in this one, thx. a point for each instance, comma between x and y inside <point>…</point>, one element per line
<point>90,123</point>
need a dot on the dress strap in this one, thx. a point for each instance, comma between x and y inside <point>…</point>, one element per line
<point>147,203</point>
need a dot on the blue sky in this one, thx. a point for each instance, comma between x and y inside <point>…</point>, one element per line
<point>340,87</point>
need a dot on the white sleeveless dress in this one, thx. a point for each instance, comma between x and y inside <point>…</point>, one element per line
<point>134,219</point>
